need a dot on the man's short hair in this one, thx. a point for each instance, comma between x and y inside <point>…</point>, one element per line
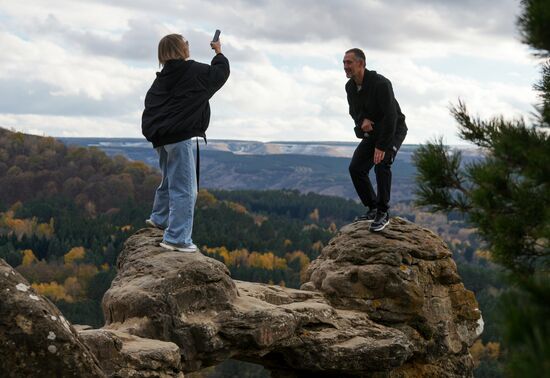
<point>172,46</point>
<point>359,54</point>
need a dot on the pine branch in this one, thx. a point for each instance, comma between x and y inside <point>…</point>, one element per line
<point>440,182</point>
<point>543,87</point>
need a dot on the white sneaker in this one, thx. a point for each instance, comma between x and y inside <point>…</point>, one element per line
<point>150,223</point>
<point>179,247</point>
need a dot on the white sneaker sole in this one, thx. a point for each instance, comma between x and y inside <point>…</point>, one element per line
<point>363,220</point>
<point>179,249</point>
<point>379,228</point>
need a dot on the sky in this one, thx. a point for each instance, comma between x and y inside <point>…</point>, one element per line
<point>82,67</point>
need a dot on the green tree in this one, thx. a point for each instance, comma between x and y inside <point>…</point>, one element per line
<point>506,196</point>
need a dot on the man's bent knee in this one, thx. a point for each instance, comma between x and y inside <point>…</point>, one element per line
<point>355,170</point>
<point>382,167</point>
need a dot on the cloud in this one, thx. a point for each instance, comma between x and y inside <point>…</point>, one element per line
<point>41,75</point>
<point>83,68</point>
<point>70,126</point>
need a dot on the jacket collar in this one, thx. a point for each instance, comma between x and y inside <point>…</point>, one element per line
<point>173,65</point>
<point>368,79</point>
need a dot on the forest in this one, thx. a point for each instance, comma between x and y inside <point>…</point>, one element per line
<point>65,213</point>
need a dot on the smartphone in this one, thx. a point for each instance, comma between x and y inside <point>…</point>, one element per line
<point>216,36</point>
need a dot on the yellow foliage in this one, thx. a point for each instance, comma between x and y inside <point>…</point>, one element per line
<point>76,253</point>
<point>238,257</point>
<point>28,257</point>
<point>28,227</point>
<point>52,290</point>
<point>220,251</point>
<point>317,246</point>
<point>205,199</point>
<point>314,215</point>
<point>85,272</point>
<point>90,209</point>
<point>287,243</point>
<point>259,219</point>
<point>489,351</point>
<point>279,263</point>
<point>21,227</point>
<point>45,230</point>
<point>493,350</point>
<point>237,207</point>
<point>309,227</point>
<point>105,267</point>
<point>304,262</point>
<point>332,228</point>
<point>16,206</point>
<point>476,351</point>
<point>266,261</point>
<point>126,228</point>
<point>483,254</point>
<point>72,287</point>
<point>242,257</point>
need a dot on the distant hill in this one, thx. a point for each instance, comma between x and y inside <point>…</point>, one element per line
<point>319,167</point>
<point>34,167</point>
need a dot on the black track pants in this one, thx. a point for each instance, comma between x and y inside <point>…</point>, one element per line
<point>359,168</point>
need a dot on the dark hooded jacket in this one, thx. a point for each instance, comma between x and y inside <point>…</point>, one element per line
<point>375,101</point>
<point>176,105</point>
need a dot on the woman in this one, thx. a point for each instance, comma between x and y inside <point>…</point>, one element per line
<point>177,109</point>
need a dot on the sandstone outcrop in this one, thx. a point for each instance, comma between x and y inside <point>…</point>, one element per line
<point>406,279</point>
<point>35,339</point>
<point>123,355</point>
<point>387,304</point>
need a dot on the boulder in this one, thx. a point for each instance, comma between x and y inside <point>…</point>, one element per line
<point>122,355</point>
<point>35,338</point>
<point>405,278</point>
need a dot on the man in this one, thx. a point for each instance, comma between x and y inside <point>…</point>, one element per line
<point>381,127</point>
<point>177,109</point>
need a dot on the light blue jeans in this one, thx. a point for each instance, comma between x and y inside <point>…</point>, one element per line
<point>175,197</point>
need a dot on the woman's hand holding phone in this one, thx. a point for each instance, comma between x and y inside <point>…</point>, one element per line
<point>215,44</point>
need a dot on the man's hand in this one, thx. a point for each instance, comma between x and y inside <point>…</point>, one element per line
<point>367,125</point>
<point>216,46</point>
<point>378,155</point>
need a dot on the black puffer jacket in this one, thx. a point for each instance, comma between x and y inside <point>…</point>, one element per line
<point>176,105</point>
<point>375,101</point>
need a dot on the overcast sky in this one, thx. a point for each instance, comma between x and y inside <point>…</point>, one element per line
<point>82,67</point>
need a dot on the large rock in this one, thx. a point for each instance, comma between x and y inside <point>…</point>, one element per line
<point>35,339</point>
<point>387,304</point>
<point>405,278</point>
<point>123,356</point>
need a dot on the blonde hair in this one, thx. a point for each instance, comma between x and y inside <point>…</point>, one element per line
<point>172,46</point>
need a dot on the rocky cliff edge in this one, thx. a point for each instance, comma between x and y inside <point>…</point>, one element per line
<point>387,304</point>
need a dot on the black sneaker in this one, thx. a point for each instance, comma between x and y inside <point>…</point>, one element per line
<point>381,221</point>
<point>368,216</point>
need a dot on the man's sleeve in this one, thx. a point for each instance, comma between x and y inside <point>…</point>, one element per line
<point>386,126</point>
<point>218,73</point>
